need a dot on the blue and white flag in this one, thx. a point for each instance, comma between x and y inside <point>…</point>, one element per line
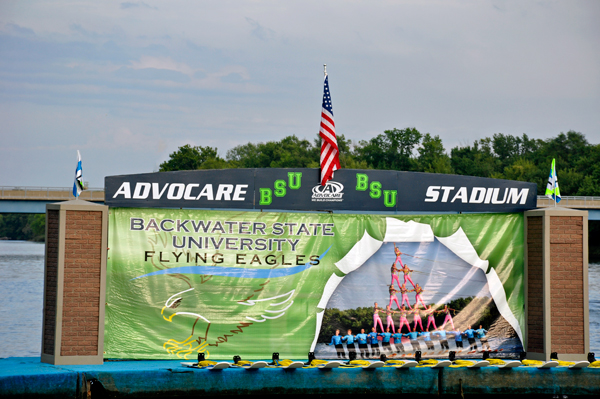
<point>552,190</point>
<point>78,185</point>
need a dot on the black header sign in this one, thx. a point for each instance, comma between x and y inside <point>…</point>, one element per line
<point>299,189</point>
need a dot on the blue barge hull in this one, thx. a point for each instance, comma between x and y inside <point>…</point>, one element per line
<point>28,377</point>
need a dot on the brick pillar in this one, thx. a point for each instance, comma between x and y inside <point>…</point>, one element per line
<point>75,283</point>
<point>556,284</point>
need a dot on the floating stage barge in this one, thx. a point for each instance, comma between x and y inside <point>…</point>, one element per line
<point>28,377</point>
<point>550,245</point>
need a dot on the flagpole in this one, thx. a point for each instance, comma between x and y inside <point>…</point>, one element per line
<point>325,75</point>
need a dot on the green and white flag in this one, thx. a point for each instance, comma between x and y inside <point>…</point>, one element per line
<point>552,190</point>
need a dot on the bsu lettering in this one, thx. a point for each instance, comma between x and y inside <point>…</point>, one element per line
<point>375,190</point>
<point>294,182</point>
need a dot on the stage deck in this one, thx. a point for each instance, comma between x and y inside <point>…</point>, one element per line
<point>28,377</point>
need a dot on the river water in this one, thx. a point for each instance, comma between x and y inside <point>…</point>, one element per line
<point>22,287</point>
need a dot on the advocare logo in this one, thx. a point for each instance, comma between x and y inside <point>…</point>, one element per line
<point>330,192</point>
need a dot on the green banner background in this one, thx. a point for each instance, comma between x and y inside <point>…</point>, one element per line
<point>140,325</point>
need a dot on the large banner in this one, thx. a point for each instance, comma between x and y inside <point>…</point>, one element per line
<point>223,283</point>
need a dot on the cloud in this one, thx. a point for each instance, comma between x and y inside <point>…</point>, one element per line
<point>167,63</point>
<point>233,78</point>
<point>140,4</point>
<point>84,32</point>
<point>17,30</point>
<point>262,33</point>
<point>152,74</point>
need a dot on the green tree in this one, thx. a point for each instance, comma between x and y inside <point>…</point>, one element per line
<point>191,158</point>
<point>347,158</point>
<point>589,187</point>
<point>568,148</point>
<point>392,150</point>
<point>569,182</point>
<point>37,224</point>
<point>478,160</point>
<point>524,170</point>
<point>245,156</point>
<point>508,149</point>
<point>432,156</point>
<point>290,152</point>
<point>589,166</point>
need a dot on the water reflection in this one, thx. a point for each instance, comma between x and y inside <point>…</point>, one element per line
<point>21,290</point>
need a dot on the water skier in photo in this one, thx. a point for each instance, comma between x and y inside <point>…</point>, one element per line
<point>416,311</point>
<point>389,312</point>
<point>404,291</point>
<point>376,318</point>
<point>418,297</point>
<point>385,343</point>
<point>412,336</point>
<point>398,253</point>
<point>404,268</point>
<point>337,341</point>
<point>394,275</point>
<point>403,319</point>
<point>481,335</point>
<point>470,334</point>
<point>441,335</point>
<point>448,317</point>
<point>458,339</point>
<point>374,342</point>
<point>430,319</point>
<point>398,341</point>
<point>349,341</point>
<point>427,338</point>
<point>393,297</point>
<point>362,343</point>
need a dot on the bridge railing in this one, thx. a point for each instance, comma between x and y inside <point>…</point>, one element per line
<point>570,201</point>
<point>48,193</point>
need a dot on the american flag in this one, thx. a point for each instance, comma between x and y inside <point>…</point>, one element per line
<point>330,158</point>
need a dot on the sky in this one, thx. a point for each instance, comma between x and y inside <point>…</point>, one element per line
<point>128,83</point>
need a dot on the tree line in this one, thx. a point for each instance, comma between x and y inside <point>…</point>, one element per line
<point>502,156</point>
<point>19,226</point>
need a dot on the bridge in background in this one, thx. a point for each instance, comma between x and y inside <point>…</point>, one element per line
<point>34,199</point>
<point>590,204</point>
